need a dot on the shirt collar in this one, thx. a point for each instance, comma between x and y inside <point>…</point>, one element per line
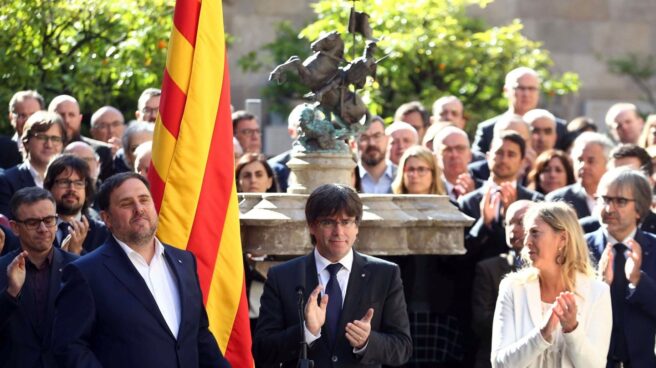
<point>322,263</point>
<point>389,170</point>
<point>159,248</point>
<point>610,239</point>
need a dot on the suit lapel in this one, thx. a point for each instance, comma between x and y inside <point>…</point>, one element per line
<point>25,177</point>
<point>55,281</point>
<point>534,301</point>
<point>118,263</point>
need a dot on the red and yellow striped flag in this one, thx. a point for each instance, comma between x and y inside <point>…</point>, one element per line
<point>192,172</point>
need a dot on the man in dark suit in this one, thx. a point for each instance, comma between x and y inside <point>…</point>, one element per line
<point>590,153</point>
<point>69,181</point>
<point>522,89</point>
<point>627,261</point>
<point>361,319</point>
<point>489,203</point>
<point>43,137</point>
<point>29,282</point>
<point>487,278</point>
<point>133,302</point>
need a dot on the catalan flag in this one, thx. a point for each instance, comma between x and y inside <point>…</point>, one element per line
<point>192,172</point>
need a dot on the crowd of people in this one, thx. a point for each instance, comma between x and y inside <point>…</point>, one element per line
<point>552,309</point>
<point>559,268</point>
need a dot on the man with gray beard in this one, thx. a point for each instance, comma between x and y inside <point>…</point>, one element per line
<point>376,173</point>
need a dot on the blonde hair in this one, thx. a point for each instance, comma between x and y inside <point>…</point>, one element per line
<point>561,217</point>
<point>424,154</point>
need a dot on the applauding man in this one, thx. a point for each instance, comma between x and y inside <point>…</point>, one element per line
<point>355,315</point>
<point>628,264</point>
<point>29,281</point>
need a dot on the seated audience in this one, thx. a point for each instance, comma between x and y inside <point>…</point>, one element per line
<point>553,313</point>
<point>553,170</point>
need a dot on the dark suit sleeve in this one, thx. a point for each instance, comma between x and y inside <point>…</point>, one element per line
<point>74,321</point>
<point>5,195</point>
<point>484,299</point>
<point>275,342</point>
<point>481,140</point>
<point>391,343</point>
<point>209,354</point>
<point>644,296</point>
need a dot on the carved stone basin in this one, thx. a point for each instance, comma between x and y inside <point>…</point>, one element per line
<point>274,224</point>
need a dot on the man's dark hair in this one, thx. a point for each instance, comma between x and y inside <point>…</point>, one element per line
<point>28,195</point>
<point>514,137</point>
<point>238,116</point>
<point>78,166</point>
<point>633,150</point>
<point>331,199</point>
<point>410,107</point>
<point>113,182</point>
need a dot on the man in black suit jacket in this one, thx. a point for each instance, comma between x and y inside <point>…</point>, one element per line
<point>10,156</point>
<point>590,153</point>
<point>627,262</point>
<point>133,302</point>
<point>486,236</point>
<point>487,278</point>
<point>21,106</point>
<point>522,89</point>
<point>368,329</point>
<point>69,180</point>
<point>29,282</point>
<point>43,137</point>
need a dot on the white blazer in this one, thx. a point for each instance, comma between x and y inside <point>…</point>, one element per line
<point>516,338</point>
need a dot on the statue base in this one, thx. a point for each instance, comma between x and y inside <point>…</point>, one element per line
<point>309,170</point>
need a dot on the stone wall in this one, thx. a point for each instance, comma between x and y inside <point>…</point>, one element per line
<point>581,36</point>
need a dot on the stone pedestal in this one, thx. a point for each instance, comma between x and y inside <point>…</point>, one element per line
<point>311,170</point>
<point>274,224</point>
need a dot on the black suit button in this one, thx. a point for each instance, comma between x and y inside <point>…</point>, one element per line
<point>334,358</point>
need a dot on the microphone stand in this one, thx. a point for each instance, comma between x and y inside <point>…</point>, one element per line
<point>303,361</point>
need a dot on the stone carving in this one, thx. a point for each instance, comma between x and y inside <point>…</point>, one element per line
<point>337,111</point>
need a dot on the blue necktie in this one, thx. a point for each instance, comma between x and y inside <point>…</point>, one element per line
<point>334,302</point>
<point>618,297</point>
<point>62,232</point>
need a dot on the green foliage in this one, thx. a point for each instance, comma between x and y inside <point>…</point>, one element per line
<point>101,52</point>
<point>434,48</point>
<point>640,69</point>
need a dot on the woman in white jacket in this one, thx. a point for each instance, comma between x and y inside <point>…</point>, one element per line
<point>553,313</point>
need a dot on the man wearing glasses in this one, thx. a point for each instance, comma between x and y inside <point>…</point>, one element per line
<point>43,138</point>
<point>376,172</point>
<point>148,105</point>
<point>70,183</point>
<point>29,281</point>
<point>522,90</point>
<point>247,131</point>
<point>355,312</point>
<point>627,262</point>
<point>21,106</point>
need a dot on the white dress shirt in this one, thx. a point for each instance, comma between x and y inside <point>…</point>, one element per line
<point>324,276</point>
<point>160,281</point>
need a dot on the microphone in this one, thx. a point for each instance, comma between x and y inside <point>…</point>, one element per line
<point>303,361</point>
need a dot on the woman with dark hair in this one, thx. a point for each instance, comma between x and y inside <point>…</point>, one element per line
<point>552,170</point>
<point>254,175</point>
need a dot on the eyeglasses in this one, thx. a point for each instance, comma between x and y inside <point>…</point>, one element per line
<point>332,224</point>
<point>104,126</point>
<point>420,170</point>
<point>55,139</point>
<point>250,132</point>
<point>620,202</point>
<point>35,223</point>
<point>374,137</point>
<point>67,183</point>
<point>150,110</point>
